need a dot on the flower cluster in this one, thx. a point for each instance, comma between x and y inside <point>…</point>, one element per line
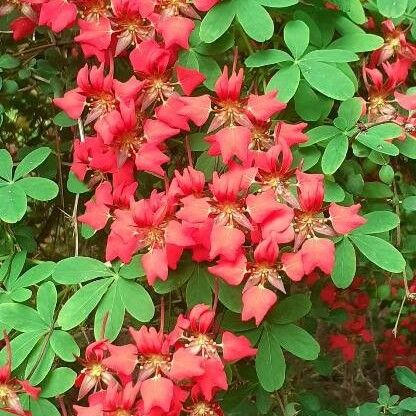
<point>354,303</point>
<point>161,373</point>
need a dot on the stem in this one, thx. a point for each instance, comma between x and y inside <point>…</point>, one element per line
<point>162,315</point>
<point>216,293</point>
<point>396,325</point>
<point>188,151</point>
<point>62,406</point>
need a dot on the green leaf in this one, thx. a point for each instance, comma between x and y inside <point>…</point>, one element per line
<point>176,279</point>
<point>334,154</point>
<point>230,296</point>
<point>111,312</point>
<point>81,304</point>
<point>46,301</point>
<point>254,19</point>
<point>132,270</point>
<point>278,3</point>
<point>358,42</point>
<point>392,8</point>
<point>198,289</point>
<point>22,345</point>
<point>13,203</point>
<point>41,189</point>
<point>386,174</point>
<point>290,309</point>
<point>408,146</point>
<point>307,103</point>
<point>285,82</point>
<point>320,134</point>
<point>136,300</point>
<point>270,362</point>
<point>406,377</point>
<point>379,222</point>
<point>6,165</point>
<point>333,192</point>
<point>39,362</point>
<point>21,317</point>
<point>64,345</point>
<point>409,203</point>
<point>328,80</point>
<point>41,407</point>
<point>209,67</point>
<point>297,341</point>
<point>31,162</point>
<point>79,269</point>
<point>267,57</point>
<point>296,36</point>
<point>408,404</point>
<point>345,264</point>
<point>331,55</point>
<point>379,252</point>
<point>34,275</point>
<point>375,138</point>
<point>75,186</point>
<point>8,61</point>
<point>350,111</point>
<point>376,190</point>
<point>63,120</point>
<point>57,382</point>
<point>217,21</point>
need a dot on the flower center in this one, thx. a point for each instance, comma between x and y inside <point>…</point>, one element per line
<point>202,409</point>
<point>4,393</point>
<point>96,370</point>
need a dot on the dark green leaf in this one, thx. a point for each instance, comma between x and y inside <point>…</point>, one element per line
<point>345,264</point>
<point>406,377</point>
<point>62,120</point>
<point>290,309</point>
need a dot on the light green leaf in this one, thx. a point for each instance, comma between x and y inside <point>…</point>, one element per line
<point>328,80</point>
<point>278,3</point>
<point>74,185</point>
<point>35,275</point>
<point>254,19</point>
<point>267,57</point>
<point>331,55</point>
<point>57,382</point>
<point>378,222</point>
<point>31,162</point>
<point>177,278</point>
<point>39,362</point>
<point>64,345</point>
<point>345,264</point>
<point>22,345</point>
<point>63,120</point>
<point>111,312</point>
<point>46,301</point>
<point>41,407</point>
<point>296,36</point>
<point>334,154</point>
<point>406,377</point>
<point>13,203</point>
<point>409,203</point>
<point>320,134</point>
<point>136,300</point>
<point>41,189</point>
<point>307,102</point>
<point>6,165</point>
<point>379,252</point>
<point>217,21</point>
<point>81,304</point>
<point>79,269</point>
<point>21,317</point>
<point>358,42</point>
<point>285,82</point>
<point>392,8</point>
<point>350,111</point>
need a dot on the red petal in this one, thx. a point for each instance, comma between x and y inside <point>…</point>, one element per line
<point>185,365</point>
<point>257,301</point>
<point>236,348</point>
<point>318,253</point>
<point>345,219</point>
<point>157,392</point>
<point>189,79</point>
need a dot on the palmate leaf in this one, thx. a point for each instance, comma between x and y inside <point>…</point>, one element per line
<point>217,21</point>
<point>345,264</point>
